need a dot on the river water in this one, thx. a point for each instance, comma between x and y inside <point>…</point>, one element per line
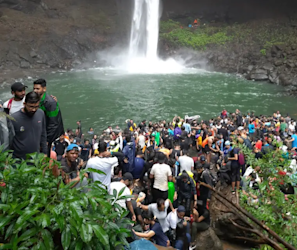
<point>102,97</point>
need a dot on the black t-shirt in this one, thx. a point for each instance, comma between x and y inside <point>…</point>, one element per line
<point>60,147</point>
<point>175,152</point>
<point>233,152</point>
<point>223,132</point>
<point>168,142</point>
<point>79,131</point>
<point>85,150</point>
<point>205,133</point>
<point>71,170</point>
<point>185,145</point>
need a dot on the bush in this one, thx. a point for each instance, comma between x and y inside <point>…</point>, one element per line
<point>38,211</point>
<point>198,38</point>
<point>276,210</point>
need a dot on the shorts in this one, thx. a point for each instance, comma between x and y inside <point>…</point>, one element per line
<point>206,149</point>
<point>235,173</point>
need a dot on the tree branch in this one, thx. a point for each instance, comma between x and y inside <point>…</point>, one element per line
<point>251,230</point>
<point>256,221</point>
<point>256,241</point>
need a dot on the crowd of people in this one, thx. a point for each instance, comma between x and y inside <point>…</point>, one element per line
<point>159,165</point>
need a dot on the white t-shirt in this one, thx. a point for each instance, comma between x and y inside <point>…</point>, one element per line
<point>141,141</point>
<point>15,106</point>
<point>118,186</point>
<point>161,173</point>
<point>160,215</point>
<point>105,165</point>
<point>186,163</point>
<point>95,146</point>
<point>171,221</point>
<point>250,170</point>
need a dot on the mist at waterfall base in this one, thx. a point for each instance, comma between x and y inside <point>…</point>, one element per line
<point>141,56</point>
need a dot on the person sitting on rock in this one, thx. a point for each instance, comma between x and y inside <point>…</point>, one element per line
<point>201,219</point>
<point>178,228</point>
<point>154,232</point>
<point>224,171</point>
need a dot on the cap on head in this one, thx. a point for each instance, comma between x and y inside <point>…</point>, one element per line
<point>128,176</point>
<point>227,143</point>
<point>71,147</point>
<point>181,209</point>
<point>18,86</point>
<point>202,158</point>
<point>240,128</point>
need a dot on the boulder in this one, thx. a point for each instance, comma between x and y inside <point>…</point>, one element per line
<point>273,77</point>
<point>24,64</point>
<point>259,75</point>
<point>208,240</point>
<point>278,62</point>
<point>285,80</point>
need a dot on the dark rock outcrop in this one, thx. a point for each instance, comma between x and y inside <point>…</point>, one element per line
<point>220,219</point>
<point>208,240</point>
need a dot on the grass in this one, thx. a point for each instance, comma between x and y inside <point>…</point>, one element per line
<point>260,33</point>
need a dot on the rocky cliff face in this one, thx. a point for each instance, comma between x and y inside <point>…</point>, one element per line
<point>267,53</point>
<point>53,34</point>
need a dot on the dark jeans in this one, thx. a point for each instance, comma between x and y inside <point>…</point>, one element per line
<point>158,194</point>
<point>186,202</point>
<point>198,227</point>
<point>180,243</point>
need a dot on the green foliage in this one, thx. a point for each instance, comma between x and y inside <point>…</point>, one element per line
<point>198,38</point>
<point>38,211</point>
<point>263,52</point>
<point>277,211</point>
<point>264,33</point>
<point>168,26</point>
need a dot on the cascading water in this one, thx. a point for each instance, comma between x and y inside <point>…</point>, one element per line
<point>143,48</point>
<point>145,29</point>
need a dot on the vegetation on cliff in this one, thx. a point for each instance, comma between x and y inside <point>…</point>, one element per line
<point>263,34</point>
<point>276,210</point>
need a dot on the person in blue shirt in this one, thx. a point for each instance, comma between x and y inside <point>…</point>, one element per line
<point>251,129</point>
<point>138,165</point>
<point>294,141</point>
<point>171,130</point>
<point>187,127</point>
<point>227,148</point>
<point>155,231</point>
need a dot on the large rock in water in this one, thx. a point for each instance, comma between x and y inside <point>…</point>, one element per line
<point>220,219</point>
<point>208,240</point>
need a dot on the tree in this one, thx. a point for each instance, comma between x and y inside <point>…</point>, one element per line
<point>38,211</point>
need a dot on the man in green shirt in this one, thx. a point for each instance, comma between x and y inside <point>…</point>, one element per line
<point>54,122</point>
<point>283,125</point>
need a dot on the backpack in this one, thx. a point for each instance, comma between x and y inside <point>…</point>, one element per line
<point>6,132</point>
<point>247,143</point>
<point>212,177</point>
<point>241,159</point>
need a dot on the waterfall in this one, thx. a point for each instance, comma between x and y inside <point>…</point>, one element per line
<point>145,29</point>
